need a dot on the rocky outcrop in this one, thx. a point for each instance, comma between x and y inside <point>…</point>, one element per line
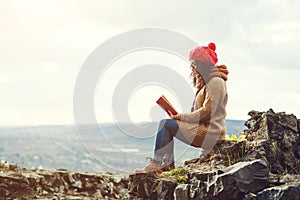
<point>60,184</point>
<point>288,191</point>
<point>276,136</point>
<point>232,182</point>
<point>263,164</point>
<point>150,186</point>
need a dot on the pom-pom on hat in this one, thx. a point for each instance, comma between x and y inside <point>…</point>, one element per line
<point>205,54</point>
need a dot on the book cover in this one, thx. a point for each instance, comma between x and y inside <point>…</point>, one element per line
<point>166,105</point>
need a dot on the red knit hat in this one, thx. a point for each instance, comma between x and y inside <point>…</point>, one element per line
<point>205,54</point>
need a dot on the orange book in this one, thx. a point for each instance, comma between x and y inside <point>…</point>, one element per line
<point>166,105</point>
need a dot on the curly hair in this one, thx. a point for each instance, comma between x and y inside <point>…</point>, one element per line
<point>202,70</point>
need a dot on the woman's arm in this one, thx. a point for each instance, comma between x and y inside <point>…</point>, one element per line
<point>177,117</point>
<point>201,114</point>
<point>214,96</point>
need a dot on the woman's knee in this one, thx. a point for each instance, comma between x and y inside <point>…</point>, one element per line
<point>162,124</point>
<point>169,125</point>
<point>166,122</point>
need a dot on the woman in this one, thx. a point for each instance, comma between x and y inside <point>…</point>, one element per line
<point>204,126</point>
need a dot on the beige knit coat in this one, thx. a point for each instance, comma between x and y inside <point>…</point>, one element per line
<point>205,126</point>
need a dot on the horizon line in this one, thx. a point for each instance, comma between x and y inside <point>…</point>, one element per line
<point>89,124</point>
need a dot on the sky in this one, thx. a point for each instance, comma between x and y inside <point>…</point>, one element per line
<point>45,43</point>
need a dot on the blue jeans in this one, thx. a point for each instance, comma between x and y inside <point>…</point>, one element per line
<point>164,143</point>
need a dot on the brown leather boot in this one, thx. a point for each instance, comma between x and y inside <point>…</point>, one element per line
<point>168,163</point>
<point>154,166</point>
<point>168,167</point>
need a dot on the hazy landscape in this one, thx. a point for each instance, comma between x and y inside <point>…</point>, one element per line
<point>90,148</point>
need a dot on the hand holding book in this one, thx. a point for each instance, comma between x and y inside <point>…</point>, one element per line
<point>167,106</point>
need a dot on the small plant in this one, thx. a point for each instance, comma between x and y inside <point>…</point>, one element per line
<point>235,138</point>
<point>232,138</point>
<point>182,179</point>
<point>178,174</point>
